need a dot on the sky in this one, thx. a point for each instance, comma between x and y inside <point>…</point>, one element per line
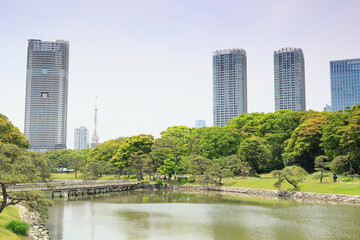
<point>150,62</point>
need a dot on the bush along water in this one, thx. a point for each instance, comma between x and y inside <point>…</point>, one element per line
<point>18,227</point>
<point>158,181</point>
<point>191,179</point>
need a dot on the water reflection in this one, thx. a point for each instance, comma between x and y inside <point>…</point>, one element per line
<point>209,215</point>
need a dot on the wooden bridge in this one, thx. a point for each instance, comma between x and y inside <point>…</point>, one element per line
<point>76,187</point>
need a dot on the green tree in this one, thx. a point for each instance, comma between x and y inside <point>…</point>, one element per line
<point>181,136</point>
<point>255,152</point>
<point>169,167</point>
<point>129,146</point>
<point>76,160</point>
<point>93,170</point>
<point>321,164</point>
<point>59,159</point>
<point>11,134</point>
<point>341,164</point>
<point>199,165</point>
<point>106,150</point>
<point>138,160</point>
<point>292,174</point>
<point>350,137</point>
<point>160,150</point>
<point>17,166</point>
<point>304,144</point>
<point>215,142</point>
<point>234,164</point>
<point>217,173</point>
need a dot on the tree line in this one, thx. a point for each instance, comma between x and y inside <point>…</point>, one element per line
<point>254,143</point>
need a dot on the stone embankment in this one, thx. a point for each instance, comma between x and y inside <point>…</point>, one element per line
<point>37,231</point>
<point>274,194</point>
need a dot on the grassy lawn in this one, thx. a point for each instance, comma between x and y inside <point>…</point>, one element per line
<point>310,184</point>
<point>9,213</point>
<point>71,176</point>
<point>265,181</point>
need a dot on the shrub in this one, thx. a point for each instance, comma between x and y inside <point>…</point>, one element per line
<point>158,181</point>
<point>146,181</point>
<point>132,176</point>
<point>191,179</point>
<point>347,179</point>
<point>18,227</point>
<point>183,180</point>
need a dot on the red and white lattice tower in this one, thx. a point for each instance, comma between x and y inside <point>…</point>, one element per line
<point>95,137</point>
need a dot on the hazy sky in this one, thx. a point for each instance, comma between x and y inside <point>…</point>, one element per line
<point>150,61</point>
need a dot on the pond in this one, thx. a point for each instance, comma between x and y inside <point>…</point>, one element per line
<point>198,215</point>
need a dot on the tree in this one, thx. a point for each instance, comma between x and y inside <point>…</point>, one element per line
<point>11,134</point>
<point>292,174</point>
<point>129,146</point>
<point>217,173</point>
<point>17,166</point>
<point>160,150</point>
<point>339,163</point>
<point>93,170</point>
<point>350,137</point>
<point>215,142</point>
<point>138,160</point>
<point>199,165</point>
<point>106,150</point>
<point>255,152</point>
<point>320,165</point>
<point>234,164</point>
<point>59,159</point>
<point>76,159</point>
<point>181,136</point>
<point>304,144</point>
<point>169,167</point>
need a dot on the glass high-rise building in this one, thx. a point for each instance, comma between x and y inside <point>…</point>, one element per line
<point>46,94</point>
<point>289,76</point>
<point>345,83</point>
<point>229,85</point>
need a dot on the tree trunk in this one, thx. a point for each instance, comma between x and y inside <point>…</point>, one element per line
<point>75,173</point>
<point>321,176</point>
<point>141,174</point>
<point>4,194</point>
<point>137,174</point>
<point>252,171</point>
<point>279,183</point>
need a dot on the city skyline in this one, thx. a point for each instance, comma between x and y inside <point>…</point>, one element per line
<point>151,67</point>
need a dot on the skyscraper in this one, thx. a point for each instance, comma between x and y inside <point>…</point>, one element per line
<point>81,138</point>
<point>289,75</point>
<point>46,94</point>
<point>345,83</point>
<point>229,85</point>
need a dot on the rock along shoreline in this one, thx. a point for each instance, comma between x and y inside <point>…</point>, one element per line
<point>267,193</point>
<point>37,229</point>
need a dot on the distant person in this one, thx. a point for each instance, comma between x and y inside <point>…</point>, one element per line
<point>334,176</point>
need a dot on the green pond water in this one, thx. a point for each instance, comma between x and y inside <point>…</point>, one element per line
<point>209,215</point>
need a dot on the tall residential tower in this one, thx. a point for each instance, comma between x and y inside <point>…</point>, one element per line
<point>229,85</point>
<point>345,83</point>
<point>289,74</point>
<point>46,94</point>
<point>81,138</point>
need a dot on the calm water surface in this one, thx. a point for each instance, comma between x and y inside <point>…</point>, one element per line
<point>172,215</point>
